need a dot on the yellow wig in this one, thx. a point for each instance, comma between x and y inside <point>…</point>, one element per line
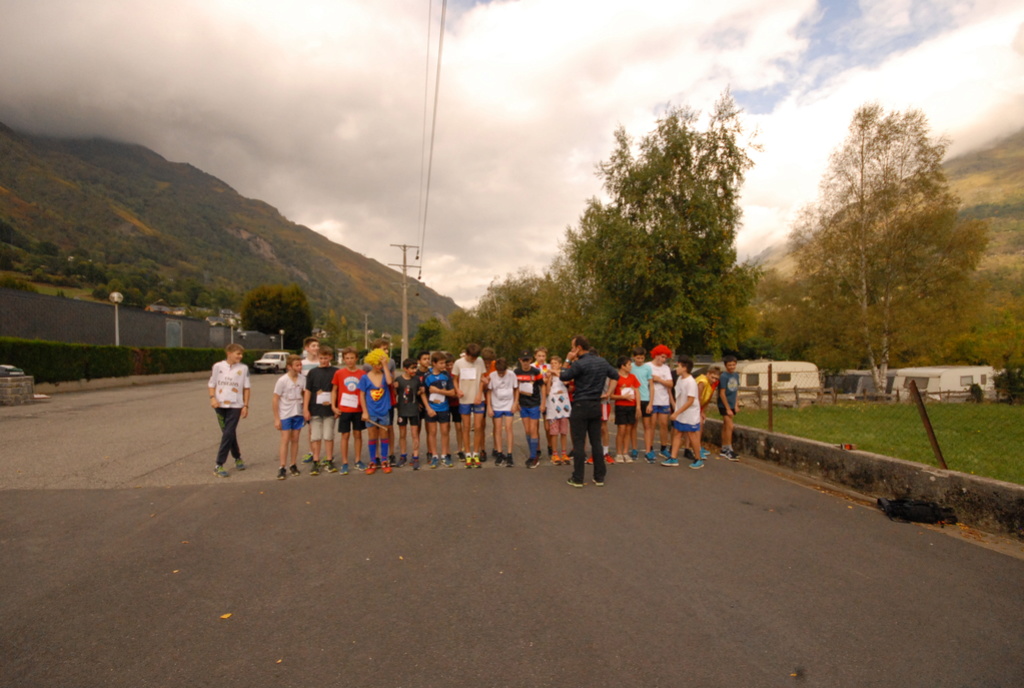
<point>377,357</point>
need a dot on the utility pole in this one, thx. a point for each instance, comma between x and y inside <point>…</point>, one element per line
<point>405,296</point>
<point>366,330</point>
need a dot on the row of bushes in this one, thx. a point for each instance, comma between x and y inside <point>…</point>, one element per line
<point>60,362</point>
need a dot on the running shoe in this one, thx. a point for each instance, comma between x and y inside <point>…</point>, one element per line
<point>732,456</point>
<point>415,463</point>
<point>344,469</point>
<point>435,461</point>
<point>598,483</point>
<point>402,460</point>
<point>509,463</point>
<point>532,463</point>
<point>608,458</point>
<point>386,467</point>
<point>294,470</point>
<point>371,469</point>
<point>239,465</point>
<point>499,458</point>
<point>650,457</point>
<point>360,466</point>
<point>448,461</point>
<point>699,463</point>
<point>566,460</point>
<point>670,462</point>
<point>219,471</point>
<point>469,462</point>
<point>634,454</point>
<point>308,458</point>
<point>314,468</point>
<point>704,453</point>
<point>476,463</point>
<point>282,474</point>
<point>329,465</point>
<point>462,456</point>
<point>573,483</point>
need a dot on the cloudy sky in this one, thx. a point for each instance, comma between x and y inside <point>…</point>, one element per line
<point>317,107</point>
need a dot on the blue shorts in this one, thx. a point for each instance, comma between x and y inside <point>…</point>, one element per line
<point>661,409</point>
<point>502,414</point>
<point>381,420</point>
<point>293,423</point>
<point>685,427</point>
<point>470,409</point>
<point>529,412</point>
<point>438,417</point>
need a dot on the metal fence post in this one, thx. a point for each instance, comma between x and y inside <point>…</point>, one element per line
<point>771,402</point>
<point>927,424</point>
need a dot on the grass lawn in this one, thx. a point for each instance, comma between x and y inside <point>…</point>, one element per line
<point>982,439</point>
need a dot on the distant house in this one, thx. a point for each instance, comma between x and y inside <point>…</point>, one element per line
<point>160,306</point>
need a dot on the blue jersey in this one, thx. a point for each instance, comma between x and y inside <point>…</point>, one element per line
<point>441,381</point>
<point>730,382</point>
<point>378,399</point>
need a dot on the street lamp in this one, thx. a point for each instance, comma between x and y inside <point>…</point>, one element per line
<point>282,339</point>
<point>231,326</point>
<point>116,298</point>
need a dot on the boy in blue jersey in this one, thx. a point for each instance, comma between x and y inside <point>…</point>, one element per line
<point>728,387</point>
<point>375,404</point>
<point>437,391</point>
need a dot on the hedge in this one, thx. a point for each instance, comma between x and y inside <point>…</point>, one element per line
<point>60,362</point>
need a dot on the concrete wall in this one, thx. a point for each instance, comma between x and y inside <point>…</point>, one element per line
<point>50,318</point>
<point>990,505</point>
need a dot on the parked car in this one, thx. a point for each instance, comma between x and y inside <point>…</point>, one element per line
<point>272,362</point>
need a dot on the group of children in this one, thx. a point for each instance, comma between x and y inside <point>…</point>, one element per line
<point>438,390</point>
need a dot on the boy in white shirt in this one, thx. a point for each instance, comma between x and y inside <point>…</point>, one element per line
<point>686,417</point>
<point>661,398</point>
<point>502,399</point>
<point>287,409</point>
<point>229,396</point>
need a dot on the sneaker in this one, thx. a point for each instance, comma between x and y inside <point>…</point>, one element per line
<point>566,459</point>
<point>469,462</point>
<point>219,471</point>
<point>308,458</point>
<point>699,463</point>
<point>573,483</point>
<point>371,469</point>
<point>402,460</point>
<point>294,470</point>
<point>415,463</point>
<point>626,458</point>
<point>732,456</point>
<point>665,452</point>
<point>476,463</point>
<point>282,474</point>
<point>448,461</point>
<point>598,483</point>
<point>670,462</point>
<point>386,467</point>
<point>608,458</point>
<point>634,454</point>
<point>360,466</point>
<point>590,459</point>
<point>483,456</point>
<point>435,462</point>
<point>649,456</point>
<point>509,463</point>
<point>704,453</point>
<point>499,458</point>
<point>329,465</point>
<point>239,465</point>
<point>462,456</point>
<point>314,468</point>
<point>532,463</point>
<point>344,469</point>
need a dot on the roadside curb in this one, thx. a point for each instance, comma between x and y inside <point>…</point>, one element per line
<point>990,505</point>
<point>114,382</point>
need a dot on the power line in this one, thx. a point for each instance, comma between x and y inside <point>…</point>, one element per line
<point>433,130</point>
<point>423,140</point>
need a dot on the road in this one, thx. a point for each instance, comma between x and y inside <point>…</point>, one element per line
<point>126,562</point>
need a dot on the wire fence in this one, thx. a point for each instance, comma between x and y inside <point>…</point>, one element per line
<point>956,423</point>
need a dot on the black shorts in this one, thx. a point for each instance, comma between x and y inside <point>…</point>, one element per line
<point>409,420</point>
<point>442,417</point>
<point>625,415</point>
<point>455,415</point>
<point>723,411</point>
<point>645,409</point>
<point>349,421</point>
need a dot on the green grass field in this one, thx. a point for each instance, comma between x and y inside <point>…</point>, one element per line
<point>981,439</point>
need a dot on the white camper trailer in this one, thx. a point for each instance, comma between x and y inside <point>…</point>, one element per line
<point>792,381</point>
<point>944,383</point>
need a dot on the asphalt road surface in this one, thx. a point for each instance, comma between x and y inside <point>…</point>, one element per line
<point>125,562</point>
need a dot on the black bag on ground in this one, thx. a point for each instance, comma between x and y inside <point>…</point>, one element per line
<point>913,511</point>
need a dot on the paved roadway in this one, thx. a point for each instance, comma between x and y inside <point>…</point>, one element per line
<point>122,553</point>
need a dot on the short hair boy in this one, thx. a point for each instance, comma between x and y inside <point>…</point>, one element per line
<point>229,389</point>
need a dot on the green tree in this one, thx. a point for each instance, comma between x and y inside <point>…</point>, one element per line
<point>270,308</point>
<point>428,336</point>
<point>884,262</point>
<point>659,258</point>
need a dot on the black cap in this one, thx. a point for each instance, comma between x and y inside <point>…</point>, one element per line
<point>525,355</point>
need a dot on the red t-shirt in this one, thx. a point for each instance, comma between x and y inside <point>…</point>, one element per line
<point>347,382</point>
<point>627,382</point>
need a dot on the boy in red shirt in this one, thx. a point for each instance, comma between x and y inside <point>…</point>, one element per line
<point>345,402</point>
<point>626,396</point>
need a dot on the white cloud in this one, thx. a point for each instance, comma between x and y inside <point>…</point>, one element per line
<point>317,107</point>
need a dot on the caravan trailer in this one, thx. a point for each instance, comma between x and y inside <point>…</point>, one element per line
<point>944,383</point>
<point>791,380</point>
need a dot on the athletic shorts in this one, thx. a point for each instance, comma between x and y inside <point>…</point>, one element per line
<point>441,417</point>
<point>558,426</point>
<point>321,428</point>
<point>349,421</point>
<point>723,412</point>
<point>661,409</point>
<point>685,427</point>
<point>502,414</point>
<point>455,415</point>
<point>532,412</point>
<point>385,421</point>
<point>470,409</point>
<point>625,415</point>
<point>645,408</point>
<point>408,420</point>
<point>293,423</point>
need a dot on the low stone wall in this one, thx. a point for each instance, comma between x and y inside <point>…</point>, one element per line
<point>990,505</point>
<point>112,382</point>
<point>15,391</point>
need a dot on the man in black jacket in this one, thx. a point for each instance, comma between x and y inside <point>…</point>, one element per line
<point>591,374</point>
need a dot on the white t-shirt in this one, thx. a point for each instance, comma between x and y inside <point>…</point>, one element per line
<point>502,390</point>
<point>470,375</point>
<point>687,387</point>
<point>289,403</point>
<point>662,397</point>
<point>228,381</point>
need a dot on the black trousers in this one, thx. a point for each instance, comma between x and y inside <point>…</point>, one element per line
<point>584,422</point>
<point>228,419</point>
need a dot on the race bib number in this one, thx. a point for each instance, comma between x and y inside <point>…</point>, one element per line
<point>323,397</point>
<point>436,398</point>
<point>349,400</point>
<point>526,388</point>
<point>467,374</point>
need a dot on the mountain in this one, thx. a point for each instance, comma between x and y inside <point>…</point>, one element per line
<point>97,213</point>
<point>990,183</point>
